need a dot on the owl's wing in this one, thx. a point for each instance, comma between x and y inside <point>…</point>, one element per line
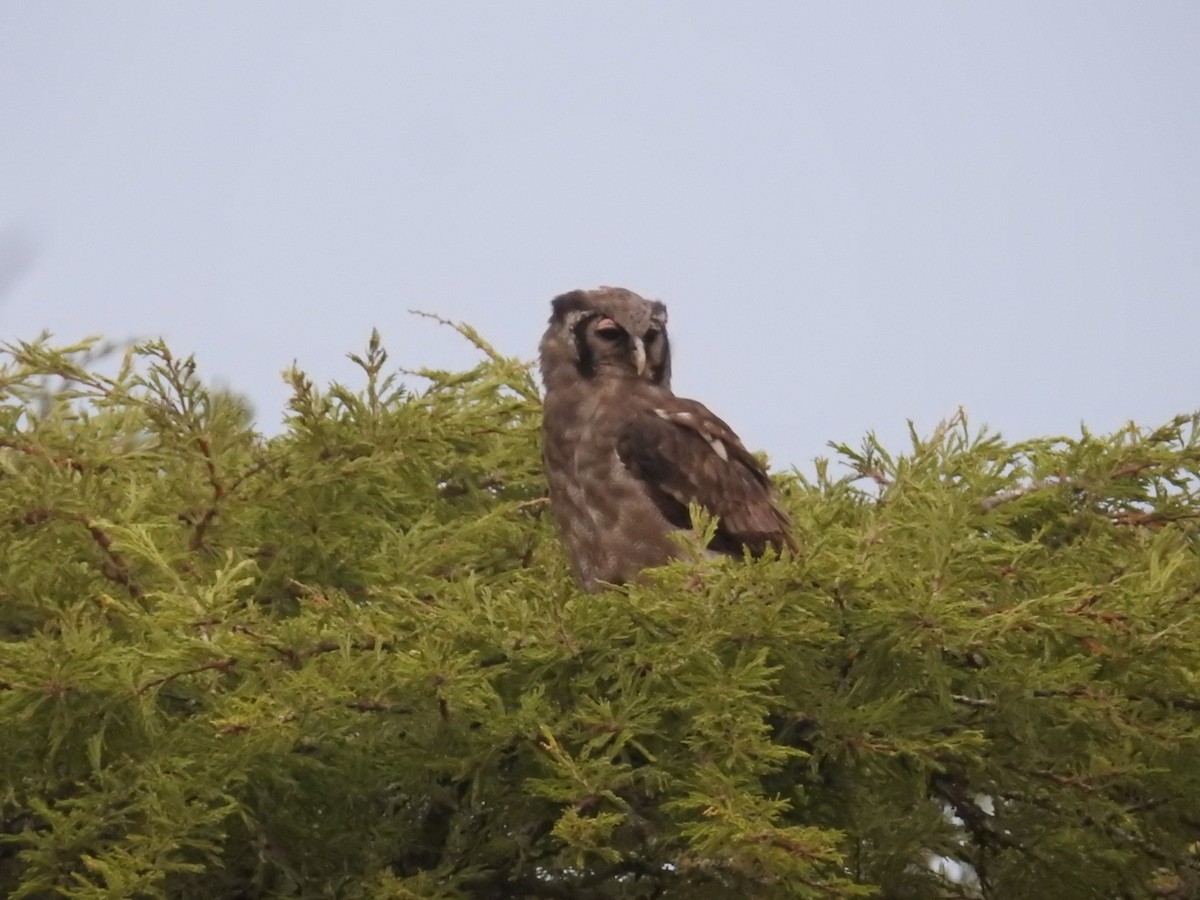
<point>685,454</point>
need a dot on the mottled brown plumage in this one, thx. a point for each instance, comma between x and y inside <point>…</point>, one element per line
<point>624,456</point>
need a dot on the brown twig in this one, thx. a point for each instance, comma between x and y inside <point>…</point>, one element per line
<point>330,646</point>
<point>62,459</point>
<point>248,474</point>
<point>1008,496</point>
<point>1131,469</point>
<point>875,473</point>
<point>201,525</point>
<point>1137,517</point>
<point>115,567</point>
<point>218,665</point>
<point>286,653</point>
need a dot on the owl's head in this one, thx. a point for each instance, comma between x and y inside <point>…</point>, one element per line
<point>606,333</point>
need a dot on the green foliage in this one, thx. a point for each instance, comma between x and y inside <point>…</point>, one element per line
<point>348,661</point>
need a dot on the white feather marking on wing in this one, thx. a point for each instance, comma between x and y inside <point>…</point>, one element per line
<point>718,446</point>
<point>673,416</point>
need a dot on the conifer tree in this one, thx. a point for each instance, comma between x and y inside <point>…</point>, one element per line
<point>348,660</point>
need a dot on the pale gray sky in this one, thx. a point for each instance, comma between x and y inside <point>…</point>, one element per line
<point>858,213</point>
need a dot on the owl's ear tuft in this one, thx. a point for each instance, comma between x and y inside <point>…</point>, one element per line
<point>572,301</point>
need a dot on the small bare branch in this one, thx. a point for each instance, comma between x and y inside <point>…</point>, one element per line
<point>218,665</point>
<point>62,459</point>
<point>114,567</point>
<point>1003,497</point>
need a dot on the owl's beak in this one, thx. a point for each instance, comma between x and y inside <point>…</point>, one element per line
<point>639,355</point>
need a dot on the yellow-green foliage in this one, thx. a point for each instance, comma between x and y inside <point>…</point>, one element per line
<point>348,660</point>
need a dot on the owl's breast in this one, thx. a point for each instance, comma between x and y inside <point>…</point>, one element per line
<point>609,522</point>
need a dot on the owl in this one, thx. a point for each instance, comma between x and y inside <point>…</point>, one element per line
<point>624,457</point>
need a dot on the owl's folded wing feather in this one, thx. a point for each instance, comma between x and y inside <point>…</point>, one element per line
<point>686,454</point>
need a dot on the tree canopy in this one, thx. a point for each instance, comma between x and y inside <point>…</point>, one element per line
<point>347,660</point>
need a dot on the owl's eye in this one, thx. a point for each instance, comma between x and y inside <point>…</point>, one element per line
<point>650,338</point>
<point>609,330</point>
